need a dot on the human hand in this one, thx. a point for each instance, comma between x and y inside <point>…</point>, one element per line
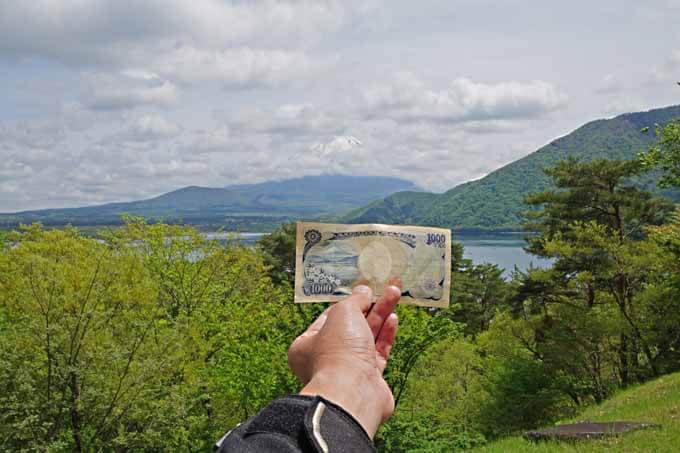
<point>343,354</point>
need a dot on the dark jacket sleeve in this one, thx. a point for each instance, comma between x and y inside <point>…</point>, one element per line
<point>296,424</point>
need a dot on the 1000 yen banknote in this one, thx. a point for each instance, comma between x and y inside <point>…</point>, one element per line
<point>332,259</point>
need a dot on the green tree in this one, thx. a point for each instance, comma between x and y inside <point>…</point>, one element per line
<point>278,250</point>
<point>237,325</point>
<point>149,337</point>
<point>600,191</point>
<point>591,225</point>
<point>441,412</point>
<point>662,295</point>
<point>419,330</point>
<point>478,292</point>
<point>77,347</point>
<point>523,390</point>
<point>665,154</point>
<point>557,325</point>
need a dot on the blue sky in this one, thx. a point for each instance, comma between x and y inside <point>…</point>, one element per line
<point>120,100</point>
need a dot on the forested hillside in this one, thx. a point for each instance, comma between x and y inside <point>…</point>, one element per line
<point>495,202</point>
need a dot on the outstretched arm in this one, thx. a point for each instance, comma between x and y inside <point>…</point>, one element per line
<point>340,360</point>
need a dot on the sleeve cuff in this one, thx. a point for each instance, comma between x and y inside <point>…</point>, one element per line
<point>311,423</point>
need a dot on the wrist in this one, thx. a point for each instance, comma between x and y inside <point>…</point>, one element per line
<point>359,394</point>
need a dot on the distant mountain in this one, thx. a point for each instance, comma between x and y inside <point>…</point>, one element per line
<point>250,206</point>
<point>495,202</point>
<point>332,194</point>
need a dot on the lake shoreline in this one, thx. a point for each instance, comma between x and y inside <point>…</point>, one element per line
<point>210,228</point>
<point>505,250</point>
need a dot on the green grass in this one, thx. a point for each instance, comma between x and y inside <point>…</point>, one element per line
<point>655,402</point>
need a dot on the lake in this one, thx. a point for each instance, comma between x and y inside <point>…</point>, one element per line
<point>504,250</point>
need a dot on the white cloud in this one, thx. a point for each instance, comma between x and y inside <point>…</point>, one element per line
<point>623,104</point>
<point>408,99</point>
<point>609,84</point>
<point>214,140</point>
<point>237,67</point>
<point>12,170</point>
<point>32,134</point>
<point>128,89</point>
<point>667,72</point>
<point>124,155</point>
<point>154,127</point>
<point>236,43</point>
<point>115,100</point>
<point>670,70</point>
<point>287,120</point>
<point>177,167</point>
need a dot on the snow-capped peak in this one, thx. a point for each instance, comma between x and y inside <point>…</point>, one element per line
<point>339,143</point>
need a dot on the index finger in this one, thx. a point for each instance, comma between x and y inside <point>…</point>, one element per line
<point>382,309</point>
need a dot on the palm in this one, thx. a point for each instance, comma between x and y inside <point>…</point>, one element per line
<point>358,332</point>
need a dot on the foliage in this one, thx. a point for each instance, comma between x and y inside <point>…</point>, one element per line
<point>419,331</point>
<point>278,251</point>
<point>662,296</point>
<point>441,412</point>
<point>665,154</point>
<point>598,191</point>
<point>526,391</point>
<point>604,316</point>
<point>436,375</point>
<point>399,208</point>
<point>478,292</point>
<point>150,337</point>
<point>592,226</point>
<point>654,402</point>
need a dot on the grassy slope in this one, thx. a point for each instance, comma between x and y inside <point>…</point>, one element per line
<point>655,402</point>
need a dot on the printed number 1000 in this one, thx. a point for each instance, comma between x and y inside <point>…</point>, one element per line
<point>438,240</point>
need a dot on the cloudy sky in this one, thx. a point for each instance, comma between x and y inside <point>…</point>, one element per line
<point>121,99</point>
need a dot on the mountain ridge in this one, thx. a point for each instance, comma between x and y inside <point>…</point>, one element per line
<point>491,203</point>
<point>240,206</point>
<point>495,202</point>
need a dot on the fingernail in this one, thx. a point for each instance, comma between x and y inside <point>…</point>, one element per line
<point>362,289</point>
<point>396,289</point>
